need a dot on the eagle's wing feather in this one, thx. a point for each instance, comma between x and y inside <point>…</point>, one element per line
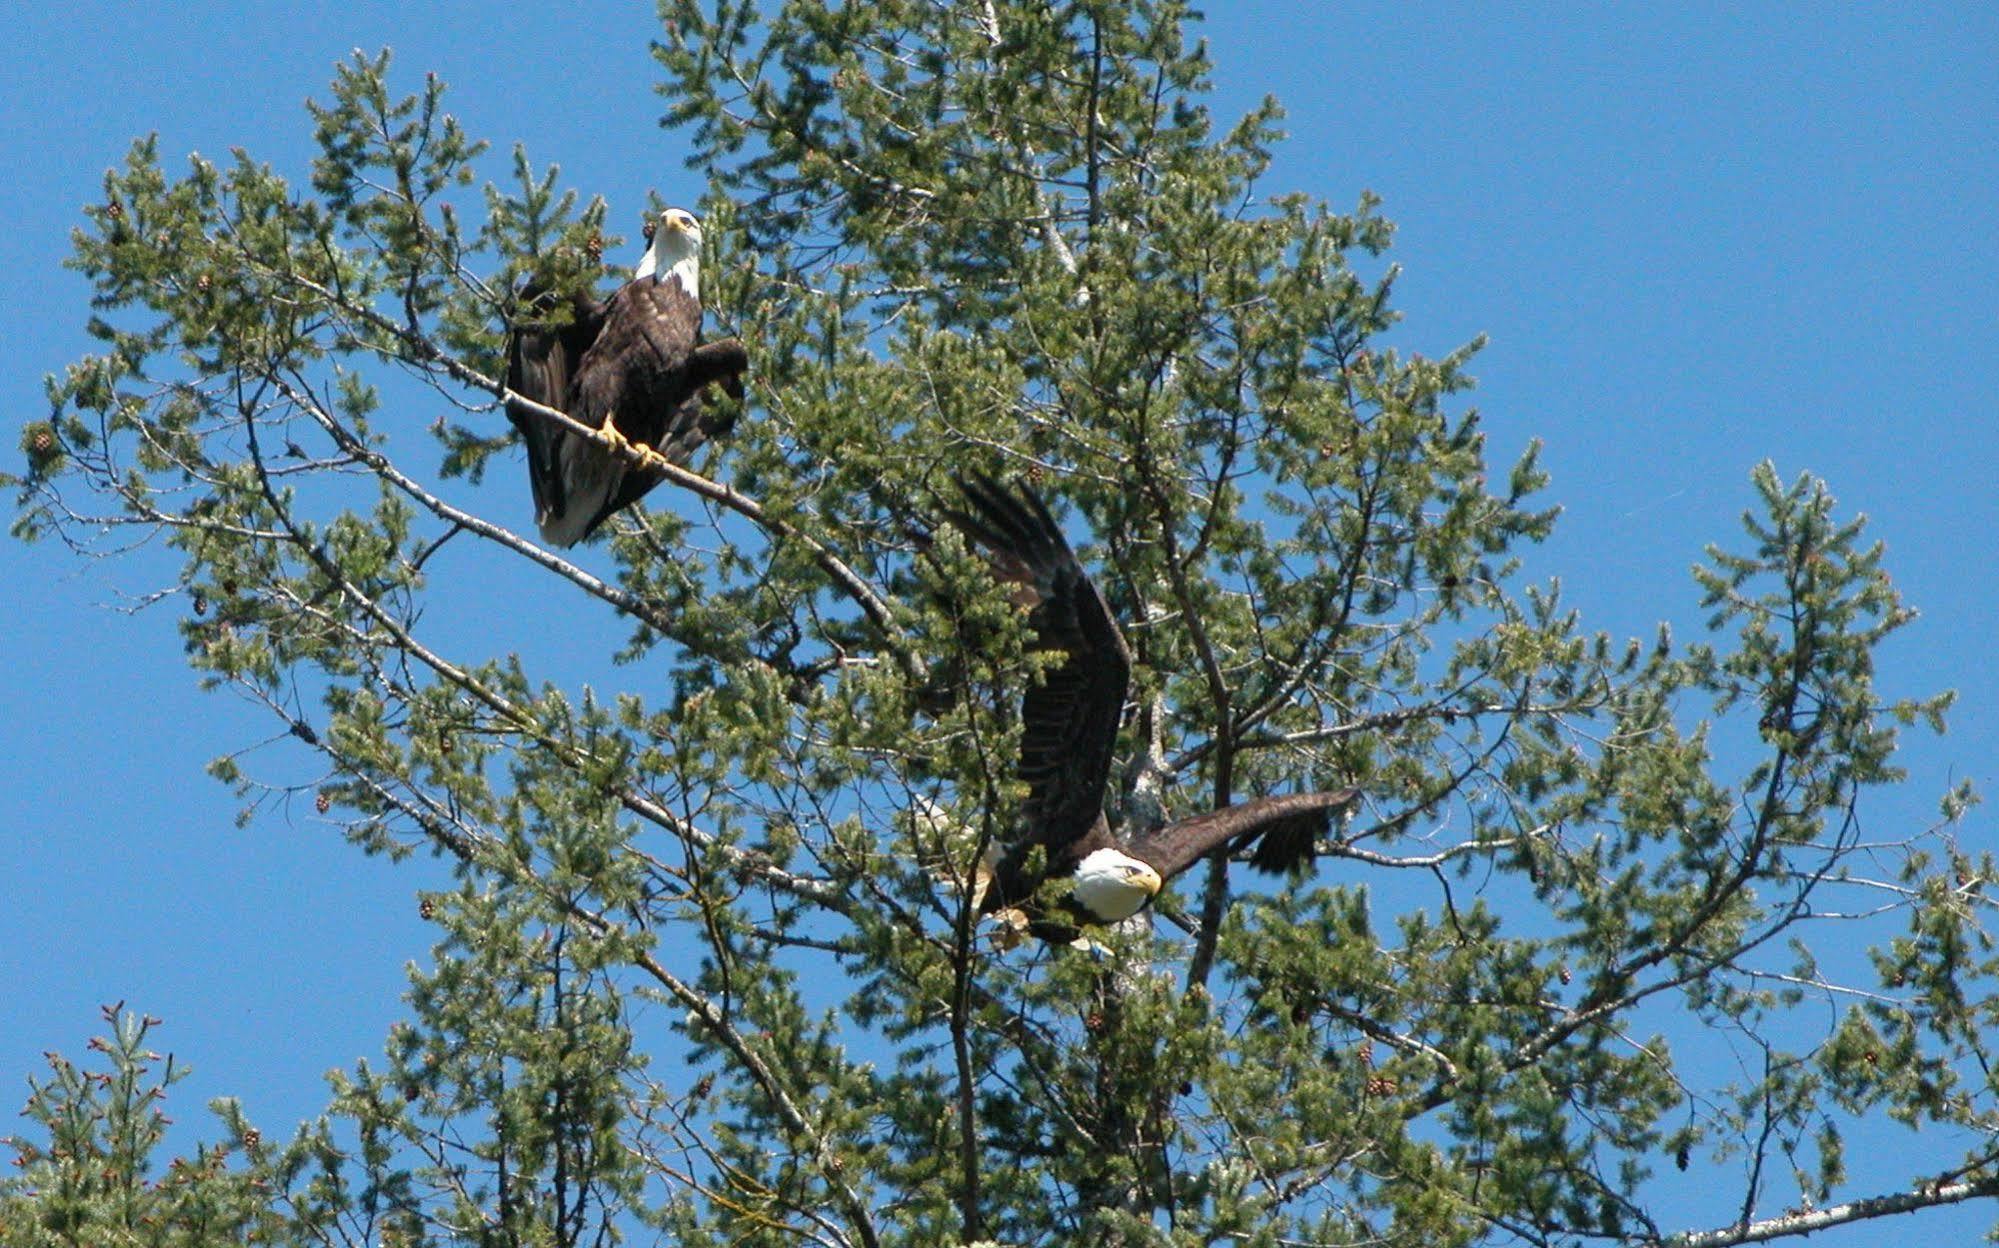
<point>1285,831</point>
<point>541,359</point>
<point>722,361</point>
<point>692,425</point>
<point>1069,719</point>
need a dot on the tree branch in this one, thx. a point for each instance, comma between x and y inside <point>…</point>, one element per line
<point>1806,1222</point>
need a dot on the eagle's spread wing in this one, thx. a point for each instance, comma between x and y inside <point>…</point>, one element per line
<point>541,358</point>
<point>1285,831</point>
<point>1069,719</point>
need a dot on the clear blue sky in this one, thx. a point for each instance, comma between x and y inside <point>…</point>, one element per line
<point>1697,239</point>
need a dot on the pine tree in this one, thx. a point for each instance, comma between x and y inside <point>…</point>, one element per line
<point>710,973</point>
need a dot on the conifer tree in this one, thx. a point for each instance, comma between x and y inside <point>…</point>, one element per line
<point>710,973</point>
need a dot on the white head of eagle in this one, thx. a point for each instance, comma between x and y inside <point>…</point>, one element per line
<point>674,250</point>
<point>1113,885</point>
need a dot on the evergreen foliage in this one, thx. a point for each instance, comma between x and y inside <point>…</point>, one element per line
<point>709,974</point>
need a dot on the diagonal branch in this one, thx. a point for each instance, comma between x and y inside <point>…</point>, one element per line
<point>1806,1222</point>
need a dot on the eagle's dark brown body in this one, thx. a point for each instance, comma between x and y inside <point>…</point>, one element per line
<point>633,363</point>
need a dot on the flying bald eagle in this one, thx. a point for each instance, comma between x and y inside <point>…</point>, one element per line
<point>632,365</point>
<point>1069,725</point>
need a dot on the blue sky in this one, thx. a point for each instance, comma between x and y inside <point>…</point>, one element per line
<point>1697,238</point>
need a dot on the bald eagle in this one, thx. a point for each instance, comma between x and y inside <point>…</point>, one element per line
<point>632,365</point>
<point>1069,725</point>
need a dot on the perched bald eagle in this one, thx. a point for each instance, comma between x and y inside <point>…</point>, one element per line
<point>1069,725</point>
<point>632,365</point>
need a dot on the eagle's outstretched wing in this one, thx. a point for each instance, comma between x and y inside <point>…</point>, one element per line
<point>1283,830</point>
<point>1069,718</point>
